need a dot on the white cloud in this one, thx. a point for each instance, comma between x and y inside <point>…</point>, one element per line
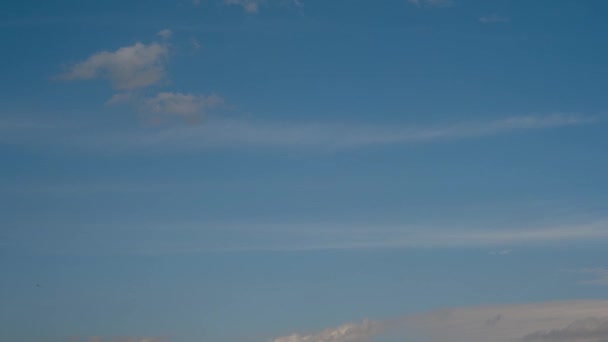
<point>346,333</point>
<point>119,98</point>
<point>312,237</point>
<point>599,276</point>
<point>237,133</point>
<point>494,19</point>
<point>130,67</point>
<point>576,321</point>
<point>250,6</point>
<point>253,6</point>
<point>196,45</point>
<point>187,106</point>
<point>324,237</point>
<point>165,34</point>
<point>338,136</point>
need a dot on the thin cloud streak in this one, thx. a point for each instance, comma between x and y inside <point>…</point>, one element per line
<point>205,237</point>
<point>599,276</point>
<point>337,136</point>
<point>214,133</point>
<point>312,237</point>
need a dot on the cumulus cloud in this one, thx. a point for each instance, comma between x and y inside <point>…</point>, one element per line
<point>494,19</point>
<point>574,321</point>
<point>187,106</point>
<point>361,332</point>
<point>130,67</point>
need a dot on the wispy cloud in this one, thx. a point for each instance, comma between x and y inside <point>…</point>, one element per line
<point>204,237</point>
<point>190,107</point>
<point>320,237</point>
<point>253,6</point>
<point>338,136</point>
<point>253,134</point>
<point>165,34</point>
<point>128,68</point>
<point>250,6</point>
<point>598,275</point>
<point>581,321</point>
<point>361,332</point>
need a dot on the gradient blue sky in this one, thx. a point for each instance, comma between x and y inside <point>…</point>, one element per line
<point>241,170</point>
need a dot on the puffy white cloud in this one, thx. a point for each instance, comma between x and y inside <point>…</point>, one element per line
<point>361,332</point>
<point>187,106</point>
<point>130,67</point>
<point>574,321</point>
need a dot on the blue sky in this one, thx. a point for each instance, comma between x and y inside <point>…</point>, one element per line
<point>303,171</point>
